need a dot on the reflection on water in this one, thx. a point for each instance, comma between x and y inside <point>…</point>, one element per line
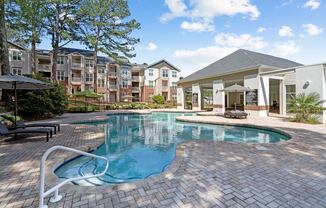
<point>139,146</point>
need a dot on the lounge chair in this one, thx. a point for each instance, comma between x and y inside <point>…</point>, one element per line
<point>4,131</point>
<point>21,124</point>
<point>235,114</point>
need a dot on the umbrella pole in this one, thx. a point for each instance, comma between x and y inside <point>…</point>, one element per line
<point>15,89</point>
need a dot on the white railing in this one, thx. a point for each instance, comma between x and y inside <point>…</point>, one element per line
<point>55,189</point>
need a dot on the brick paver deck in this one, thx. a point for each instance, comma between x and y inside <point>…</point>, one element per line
<point>205,174</point>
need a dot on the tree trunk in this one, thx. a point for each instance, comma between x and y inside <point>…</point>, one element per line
<point>55,57</point>
<point>33,56</point>
<point>4,53</point>
<point>95,68</point>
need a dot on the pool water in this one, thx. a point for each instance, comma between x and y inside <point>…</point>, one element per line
<point>139,146</point>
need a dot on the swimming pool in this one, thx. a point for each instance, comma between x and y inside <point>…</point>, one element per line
<point>142,145</point>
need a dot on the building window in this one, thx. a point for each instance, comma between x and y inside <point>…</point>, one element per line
<point>151,84</point>
<point>89,63</point>
<point>174,96</point>
<point>151,72</point>
<point>88,77</point>
<point>60,75</point>
<point>290,93</point>
<point>101,82</point>
<point>17,71</point>
<point>174,74</point>
<point>101,70</point>
<point>60,60</point>
<point>125,72</point>
<point>165,73</point>
<point>125,84</point>
<point>17,55</point>
<point>174,85</point>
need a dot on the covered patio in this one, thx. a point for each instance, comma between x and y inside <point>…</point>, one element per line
<point>257,94</point>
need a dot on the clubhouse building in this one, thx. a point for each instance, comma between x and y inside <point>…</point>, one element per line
<point>268,83</point>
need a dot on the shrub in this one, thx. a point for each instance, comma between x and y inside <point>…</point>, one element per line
<point>306,107</point>
<point>81,109</point>
<point>42,103</point>
<point>158,99</point>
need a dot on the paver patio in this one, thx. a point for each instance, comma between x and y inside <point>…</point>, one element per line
<point>205,173</point>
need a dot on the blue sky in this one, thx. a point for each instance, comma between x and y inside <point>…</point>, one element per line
<point>194,33</point>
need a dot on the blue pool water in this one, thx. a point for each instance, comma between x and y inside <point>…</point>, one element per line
<point>139,146</point>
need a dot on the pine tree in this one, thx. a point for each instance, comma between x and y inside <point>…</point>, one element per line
<point>106,26</point>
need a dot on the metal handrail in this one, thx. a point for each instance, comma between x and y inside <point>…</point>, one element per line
<point>55,189</point>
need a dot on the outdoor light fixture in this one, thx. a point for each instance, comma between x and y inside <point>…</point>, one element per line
<point>306,84</point>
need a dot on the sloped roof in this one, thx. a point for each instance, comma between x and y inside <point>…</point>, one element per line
<point>240,59</point>
<point>164,61</point>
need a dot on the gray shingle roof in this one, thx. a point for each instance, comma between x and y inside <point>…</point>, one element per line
<point>240,59</point>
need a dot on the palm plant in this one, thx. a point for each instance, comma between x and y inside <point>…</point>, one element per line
<point>305,107</point>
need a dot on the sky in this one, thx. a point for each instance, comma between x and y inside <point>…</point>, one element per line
<point>192,34</point>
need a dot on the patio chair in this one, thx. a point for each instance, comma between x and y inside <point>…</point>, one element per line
<point>4,131</point>
<point>21,124</point>
<point>235,114</point>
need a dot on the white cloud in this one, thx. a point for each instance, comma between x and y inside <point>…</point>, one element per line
<point>151,47</point>
<point>225,43</point>
<point>285,49</point>
<point>177,8</point>
<point>246,41</point>
<point>285,31</point>
<point>261,30</point>
<point>312,4</point>
<point>209,9</point>
<point>312,30</point>
<point>203,56</point>
<point>198,26</point>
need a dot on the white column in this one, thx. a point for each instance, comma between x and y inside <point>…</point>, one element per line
<point>196,97</point>
<point>263,96</point>
<point>180,99</point>
<point>282,98</point>
<point>218,96</point>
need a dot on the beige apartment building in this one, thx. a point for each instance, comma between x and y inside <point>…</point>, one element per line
<point>117,82</point>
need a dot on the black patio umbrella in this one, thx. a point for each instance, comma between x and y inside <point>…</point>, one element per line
<point>17,82</point>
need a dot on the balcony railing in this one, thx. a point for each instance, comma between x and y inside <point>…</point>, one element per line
<point>112,74</point>
<point>113,87</point>
<point>76,79</point>
<point>135,78</point>
<point>165,88</point>
<point>89,81</point>
<point>43,67</point>
<point>76,65</point>
<point>135,89</point>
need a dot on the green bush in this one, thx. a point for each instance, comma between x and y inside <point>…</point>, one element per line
<point>306,108</point>
<point>158,99</point>
<point>81,109</point>
<point>42,103</point>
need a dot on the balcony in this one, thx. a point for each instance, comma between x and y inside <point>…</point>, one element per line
<point>113,87</point>
<point>89,81</point>
<point>76,80</point>
<point>76,65</point>
<point>165,88</point>
<point>135,78</point>
<point>43,67</point>
<point>112,74</point>
<point>135,89</point>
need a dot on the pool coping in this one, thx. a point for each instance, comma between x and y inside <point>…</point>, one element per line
<point>180,155</point>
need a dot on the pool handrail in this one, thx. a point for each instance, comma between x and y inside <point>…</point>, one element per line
<point>55,189</point>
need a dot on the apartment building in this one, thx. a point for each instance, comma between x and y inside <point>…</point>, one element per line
<point>117,82</point>
<point>160,78</point>
<point>19,59</point>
